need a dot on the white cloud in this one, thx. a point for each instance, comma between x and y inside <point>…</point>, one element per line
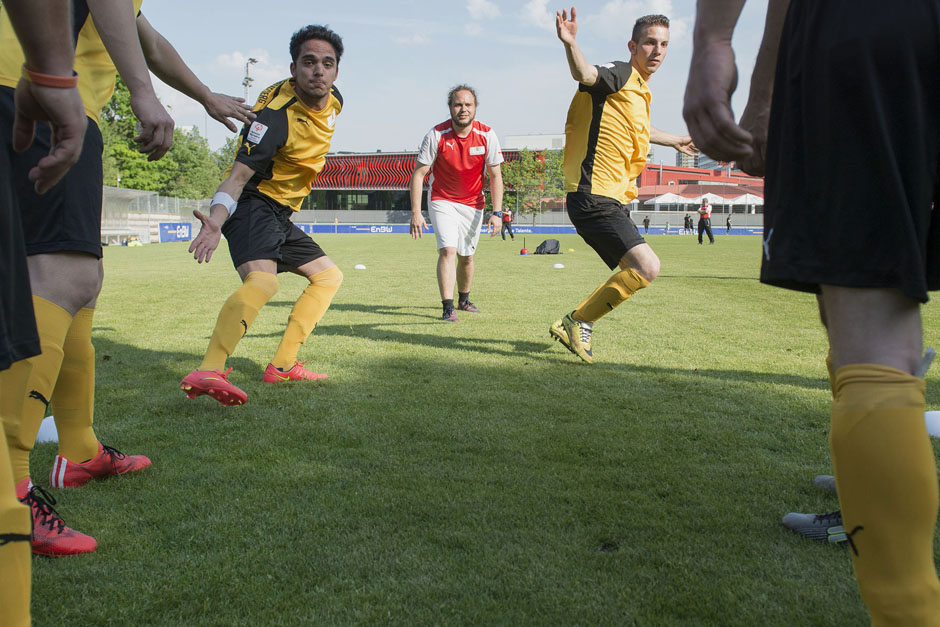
<point>416,39</point>
<point>482,9</point>
<point>536,13</point>
<point>473,29</point>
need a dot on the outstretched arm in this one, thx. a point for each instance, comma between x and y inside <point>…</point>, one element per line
<point>210,233</point>
<point>682,143</point>
<point>163,59</point>
<point>567,30</point>
<point>114,20</point>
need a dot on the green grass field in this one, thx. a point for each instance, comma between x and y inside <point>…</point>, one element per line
<point>475,473</point>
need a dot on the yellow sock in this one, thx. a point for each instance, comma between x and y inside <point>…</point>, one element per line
<point>15,552</point>
<point>886,476</point>
<point>305,315</point>
<point>28,385</point>
<point>73,400</point>
<point>237,314</point>
<point>617,289</point>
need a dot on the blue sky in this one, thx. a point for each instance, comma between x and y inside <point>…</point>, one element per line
<point>402,57</point>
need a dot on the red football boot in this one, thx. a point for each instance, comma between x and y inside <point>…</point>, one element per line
<point>215,384</point>
<point>50,535</point>
<point>108,461</point>
<point>296,373</point>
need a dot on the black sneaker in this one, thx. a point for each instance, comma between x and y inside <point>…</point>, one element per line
<point>450,316</point>
<point>822,527</point>
<point>467,306</point>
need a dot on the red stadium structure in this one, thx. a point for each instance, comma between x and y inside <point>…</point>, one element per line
<point>380,181</point>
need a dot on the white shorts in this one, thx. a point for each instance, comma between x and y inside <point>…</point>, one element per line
<point>455,225</point>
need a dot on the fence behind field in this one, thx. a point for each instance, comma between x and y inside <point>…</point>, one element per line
<point>130,215</point>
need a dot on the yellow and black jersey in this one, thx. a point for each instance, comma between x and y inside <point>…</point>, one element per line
<point>607,133</point>
<point>96,71</point>
<point>286,144</point>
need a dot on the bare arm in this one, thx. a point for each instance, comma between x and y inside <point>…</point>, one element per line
<point>496,192</point>
<point>713,77</point>
<point>567,30</point>
<point>756,115</point>
<point>114,20</point>
<point>164,61</point>
<point>210,233</point>
<point>417,183</point>
<point>682,143</point>
<point>43,29</point>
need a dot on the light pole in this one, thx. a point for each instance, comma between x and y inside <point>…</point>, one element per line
<point>248,80</point>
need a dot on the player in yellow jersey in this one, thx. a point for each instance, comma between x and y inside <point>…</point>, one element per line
<point>63,242</point>
<point>607,138</point>
<point>280,155</point>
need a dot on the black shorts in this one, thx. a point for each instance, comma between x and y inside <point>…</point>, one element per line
<point>604,224</point>
<point>853,157</point>
<point>18,336</point>
<point>261,228</point>
<point>68,216</point>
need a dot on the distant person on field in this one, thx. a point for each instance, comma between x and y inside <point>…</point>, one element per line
<point>279,156</point>
<point>820,90</point>
<point>728,224</point>
<point>457,152</point>
<point>646,225</point>
<point>507,225</point>
<point>62,233</point>
<point>608,134</point>
<point>704,221</point>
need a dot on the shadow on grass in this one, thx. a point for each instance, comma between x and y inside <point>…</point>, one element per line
<point>429,485</point>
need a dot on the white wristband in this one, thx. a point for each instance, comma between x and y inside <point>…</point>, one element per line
<point>221,198</point>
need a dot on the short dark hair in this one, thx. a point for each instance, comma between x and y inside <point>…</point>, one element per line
<point>315,31</point>
<point>453,91</point>
<point>645,22</point>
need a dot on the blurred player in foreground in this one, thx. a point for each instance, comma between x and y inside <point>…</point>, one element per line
<point>837,94</point>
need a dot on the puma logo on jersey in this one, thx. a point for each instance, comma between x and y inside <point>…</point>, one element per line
<point>450,145</point>
<point>303,121</point>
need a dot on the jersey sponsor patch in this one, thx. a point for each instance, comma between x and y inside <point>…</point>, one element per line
<point>477,150</point>
<point>256,132</point>
<point>608,65</point>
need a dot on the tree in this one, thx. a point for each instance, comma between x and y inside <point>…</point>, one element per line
<point>533,177</point>
<point>225,156</point>
<point>188,170</point>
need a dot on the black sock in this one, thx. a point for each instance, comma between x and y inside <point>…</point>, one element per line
<point>448,304</point>
<point>463,297</point>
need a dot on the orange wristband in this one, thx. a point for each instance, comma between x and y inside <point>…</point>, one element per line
<point>48,80</point>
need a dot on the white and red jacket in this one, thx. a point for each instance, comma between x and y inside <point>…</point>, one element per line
<point>459,163</point>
